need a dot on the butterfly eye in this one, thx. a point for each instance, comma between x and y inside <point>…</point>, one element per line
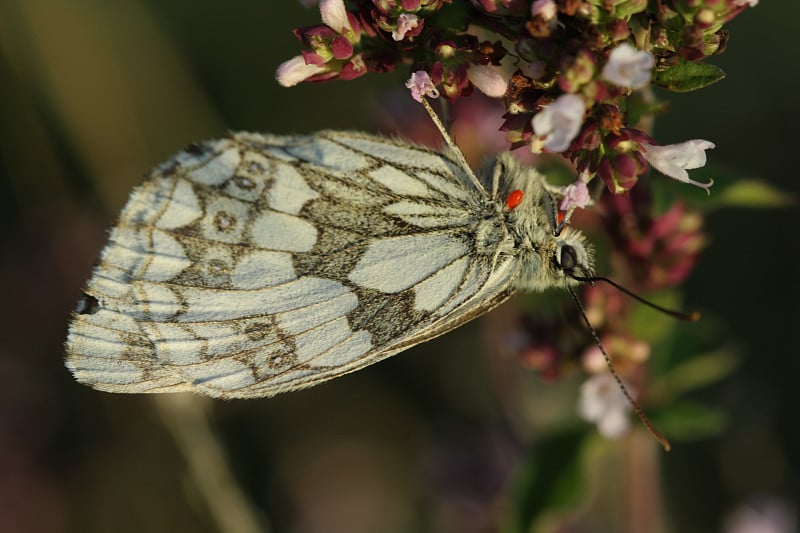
<point>569,258</point>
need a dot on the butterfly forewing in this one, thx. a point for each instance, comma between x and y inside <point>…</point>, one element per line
<point>259,264</point>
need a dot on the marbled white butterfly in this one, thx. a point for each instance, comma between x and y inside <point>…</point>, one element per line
<point>259,264</point>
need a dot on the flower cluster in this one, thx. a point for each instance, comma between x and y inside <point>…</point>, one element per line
<point>569,77</point>
<point>567,71</point>
<point>654,252</point>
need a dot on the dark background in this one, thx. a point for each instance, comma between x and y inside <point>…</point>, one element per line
<point>94,93</point>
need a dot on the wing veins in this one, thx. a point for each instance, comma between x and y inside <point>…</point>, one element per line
<point>408,146</point>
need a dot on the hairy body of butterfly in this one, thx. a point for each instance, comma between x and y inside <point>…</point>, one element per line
<point>257,264</point>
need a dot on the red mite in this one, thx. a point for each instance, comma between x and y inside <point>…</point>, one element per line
<point>514,198</point>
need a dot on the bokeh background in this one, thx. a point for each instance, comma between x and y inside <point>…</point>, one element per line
<point>94,93</point>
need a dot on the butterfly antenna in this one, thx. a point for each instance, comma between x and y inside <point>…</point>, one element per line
<point>449,142</point>
<point>694,316</point>
<point>638,410</point>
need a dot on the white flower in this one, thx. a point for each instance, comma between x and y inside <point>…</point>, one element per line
<point>575,195</point>
<point>765,516</point>
<point>628,67</point>
<point>546,9</point>
<point>334,15</point>
<point>488,80</point>
<point>602,402</point>
<point>559,123</point>
<point>405,23</point>
<point>674,160</point>
<point>295,70</point>
<point>421,85</point>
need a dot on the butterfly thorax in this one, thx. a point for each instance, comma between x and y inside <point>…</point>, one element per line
<point>531,225</point>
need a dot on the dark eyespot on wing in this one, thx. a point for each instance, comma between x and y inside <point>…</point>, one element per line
<point>87,305</point>
<point>195,149</point>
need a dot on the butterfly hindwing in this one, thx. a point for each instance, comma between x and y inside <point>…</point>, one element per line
<point>258,264</point>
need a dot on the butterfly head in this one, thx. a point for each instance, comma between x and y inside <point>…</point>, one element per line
<point>555,261</point>
<point>572,256</point>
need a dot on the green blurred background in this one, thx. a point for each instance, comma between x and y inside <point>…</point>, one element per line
<point>94,93</point>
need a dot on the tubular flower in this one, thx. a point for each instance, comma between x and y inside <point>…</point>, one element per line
<point>628,67</point>
<point>488,79</point>
<point>295,70</point>
<point>674,160</point>
<point>559,123</point>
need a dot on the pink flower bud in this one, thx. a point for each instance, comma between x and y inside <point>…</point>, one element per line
<point>488,79</point>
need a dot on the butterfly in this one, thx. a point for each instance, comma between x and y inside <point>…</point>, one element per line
<point>258,264</point>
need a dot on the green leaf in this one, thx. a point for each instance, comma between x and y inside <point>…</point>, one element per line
<point>550,479</point>
<point>639,109</point>
<point>688,76</point>
<point>752,194</point>
<point>555,168</point>
<point>685,420</point>
<point>699,371</point>
<point>624,10</point>
<point>652,325</point>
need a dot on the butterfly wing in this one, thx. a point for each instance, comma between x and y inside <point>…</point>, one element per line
<point>259,264</point>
